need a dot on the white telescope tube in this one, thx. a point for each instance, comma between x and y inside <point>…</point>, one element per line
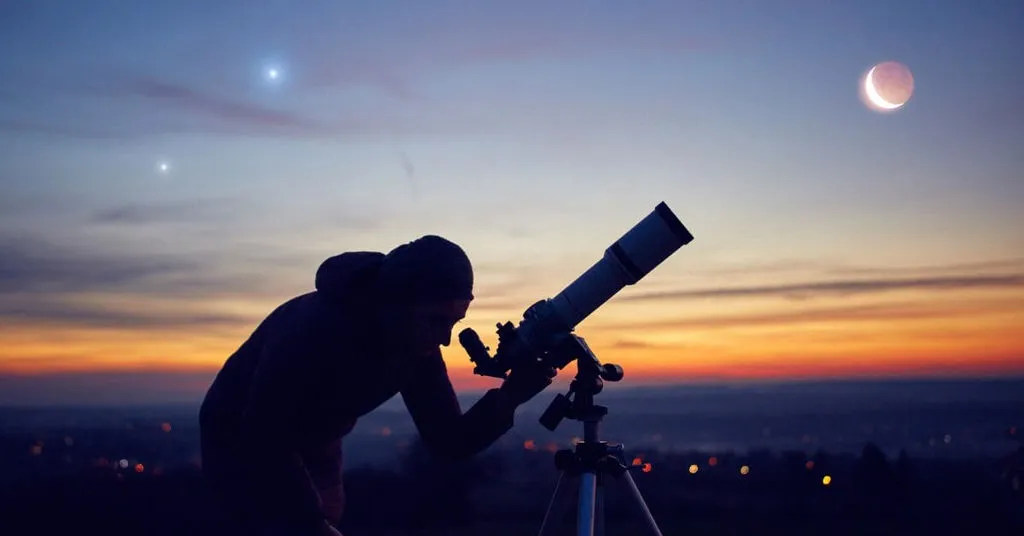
<point>645,246</point>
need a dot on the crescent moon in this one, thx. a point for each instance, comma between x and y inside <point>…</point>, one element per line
<point>874,97</point>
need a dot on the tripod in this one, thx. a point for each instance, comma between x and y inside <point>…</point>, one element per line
<point>593,461</point>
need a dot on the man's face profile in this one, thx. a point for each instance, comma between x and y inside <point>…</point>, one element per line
<point>422,327</point>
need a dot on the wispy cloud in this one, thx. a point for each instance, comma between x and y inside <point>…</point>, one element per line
<point>46,282</point>
<point>850,313</point>
<point>180,211</point>
<point>64,310</point>
<point>138,106</point>
<point>630,344</point>
<point>760,268</point>
<point>799,291</point>
<point>1015,264</point>
<point>30,264</point>
<point>835,268</point>
<point>126,105</point>
<point>162,104</point>
<point>207,104</point>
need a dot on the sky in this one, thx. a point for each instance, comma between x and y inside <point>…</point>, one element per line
<point>171,171</point>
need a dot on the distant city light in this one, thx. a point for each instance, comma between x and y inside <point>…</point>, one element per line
<point>948,438</point>
<point>123,463</point>
<point>166,427</point>
<point>809,465</point>
<point>745,470</point>
<point>713,461</point>
<point>529,444</point>
<point>36,449</point>
<point>694,469</point>
<point>648,468</point>
<point>385,431</point>
<point>139,468</point>
<point>826,480</point>
<point>638,461</point>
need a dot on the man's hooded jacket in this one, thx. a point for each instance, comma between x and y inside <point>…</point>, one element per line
<point>300,382</point>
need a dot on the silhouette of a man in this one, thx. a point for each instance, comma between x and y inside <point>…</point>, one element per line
<point>273,420</point>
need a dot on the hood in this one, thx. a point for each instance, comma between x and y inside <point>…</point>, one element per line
<point>348,274</point>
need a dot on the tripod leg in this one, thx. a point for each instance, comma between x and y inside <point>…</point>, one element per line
<point>556,508</point>
<point>599,507</point>
<point>585,513</point>
<point>652,525</point>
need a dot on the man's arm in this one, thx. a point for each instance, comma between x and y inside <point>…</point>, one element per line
<point>278,475</point>
<point>447,432</point>
<point>323,463</point>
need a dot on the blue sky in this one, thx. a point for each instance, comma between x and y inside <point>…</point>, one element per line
<point>532,133</point>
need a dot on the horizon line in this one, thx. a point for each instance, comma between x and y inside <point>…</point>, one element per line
<point>731,383</point>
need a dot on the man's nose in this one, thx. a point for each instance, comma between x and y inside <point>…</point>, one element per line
<point>446,339</point>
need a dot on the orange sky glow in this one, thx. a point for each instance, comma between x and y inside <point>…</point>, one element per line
<point>657,338</point>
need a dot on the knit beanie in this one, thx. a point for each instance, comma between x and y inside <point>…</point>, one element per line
<point>426,269</point>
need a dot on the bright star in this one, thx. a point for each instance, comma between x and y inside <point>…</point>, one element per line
<point>163,167</point>
<point>273,74</point>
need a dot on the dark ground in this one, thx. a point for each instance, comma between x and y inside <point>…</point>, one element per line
<point>507,493</point>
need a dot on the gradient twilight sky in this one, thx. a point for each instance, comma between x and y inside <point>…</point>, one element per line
<point>831,240</point>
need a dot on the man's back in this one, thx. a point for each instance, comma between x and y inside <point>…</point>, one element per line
<point>314,362</point>
<point>273,418</point>
<point>228,395</point>
<point>295,385</point>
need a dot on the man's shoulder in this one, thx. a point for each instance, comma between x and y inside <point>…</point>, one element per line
<point>312,325</point>
<point>304,313</point>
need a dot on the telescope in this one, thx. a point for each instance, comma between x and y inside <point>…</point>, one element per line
<point>545,338</point>
<point>547,324</point>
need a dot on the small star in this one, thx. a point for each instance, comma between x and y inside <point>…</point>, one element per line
<point>272,73</point>
<point>163,167</point>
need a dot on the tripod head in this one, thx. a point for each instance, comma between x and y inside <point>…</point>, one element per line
<point>578,403</point>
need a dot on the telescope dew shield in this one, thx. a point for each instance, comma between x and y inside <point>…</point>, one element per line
<point>640,250</point>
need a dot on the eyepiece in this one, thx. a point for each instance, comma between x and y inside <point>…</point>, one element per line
<point>478,353</point>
